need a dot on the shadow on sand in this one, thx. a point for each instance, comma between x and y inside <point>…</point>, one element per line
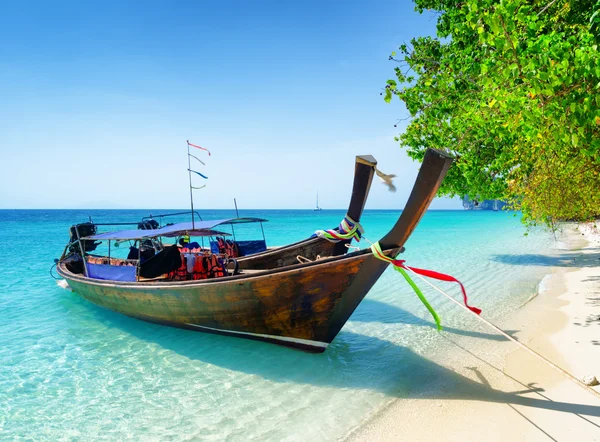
<point>352,361</point>
<point>568,259</point>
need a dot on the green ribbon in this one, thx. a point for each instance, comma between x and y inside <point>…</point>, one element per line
<point>378,253</point>
<point>421,296</point>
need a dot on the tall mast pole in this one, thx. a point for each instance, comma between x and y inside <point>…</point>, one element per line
<point>190,176</point>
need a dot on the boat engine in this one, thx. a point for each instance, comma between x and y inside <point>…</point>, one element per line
<point>84,229</point>
<point>149,224</point>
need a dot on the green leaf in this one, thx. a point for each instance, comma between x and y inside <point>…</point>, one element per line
<point>388,96</point>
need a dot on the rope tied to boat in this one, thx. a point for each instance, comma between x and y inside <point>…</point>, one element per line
<point>512,339</point>
<point>400,267</point>
<point>348,229</point>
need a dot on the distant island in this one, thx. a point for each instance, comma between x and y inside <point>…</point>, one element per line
<point>473,204</point>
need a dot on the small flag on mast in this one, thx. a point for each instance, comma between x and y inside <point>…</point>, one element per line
<point>198,147</point>
<point>198,173</point>
<point>201,162</point>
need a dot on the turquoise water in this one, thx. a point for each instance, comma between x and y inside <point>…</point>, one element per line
<point>70,370</point>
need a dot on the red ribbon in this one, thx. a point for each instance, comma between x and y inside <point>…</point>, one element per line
<point>193,145</point>
<point>439,276</point>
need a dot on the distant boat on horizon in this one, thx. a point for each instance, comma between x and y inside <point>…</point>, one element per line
<point>317,208</point>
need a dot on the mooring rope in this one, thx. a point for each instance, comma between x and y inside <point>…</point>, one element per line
<point>510,338</point>
<point>399,266</point>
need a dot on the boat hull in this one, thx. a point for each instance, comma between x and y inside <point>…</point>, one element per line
<point>302,306</point>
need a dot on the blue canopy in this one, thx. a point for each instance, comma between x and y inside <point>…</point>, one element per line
<point>199,228</point>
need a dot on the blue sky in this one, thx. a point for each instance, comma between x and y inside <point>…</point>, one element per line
<point>97,100</point>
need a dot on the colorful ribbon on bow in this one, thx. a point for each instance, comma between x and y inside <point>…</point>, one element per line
<point>399,266</point>
<point>348,229</point>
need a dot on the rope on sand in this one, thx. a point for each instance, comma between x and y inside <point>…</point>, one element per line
<point>516,341</point>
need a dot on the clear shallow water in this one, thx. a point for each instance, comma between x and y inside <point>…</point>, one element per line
<point>69,369</point>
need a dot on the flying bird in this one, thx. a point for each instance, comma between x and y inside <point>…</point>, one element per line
<point>386,179</point>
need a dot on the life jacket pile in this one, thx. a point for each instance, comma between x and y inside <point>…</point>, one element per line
<point>227,247</point>
<point>106,261</point>
<point>205,266</point>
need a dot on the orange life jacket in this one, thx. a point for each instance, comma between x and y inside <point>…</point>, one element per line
<point>214,267</point>
<point>200,270</point>
<point>231,249</point>
<point>227,247</point>
<point>181,273</point>
<point>221,244</point>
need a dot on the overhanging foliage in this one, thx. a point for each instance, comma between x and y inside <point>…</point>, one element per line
<point>512,89</point>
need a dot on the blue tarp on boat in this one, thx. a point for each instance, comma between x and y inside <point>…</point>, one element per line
<point>110,272</point>
<point>199,228</point>
<point>245,248</point>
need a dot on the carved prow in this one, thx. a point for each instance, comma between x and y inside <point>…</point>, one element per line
<point>433,170</point>
<point>363,177</point>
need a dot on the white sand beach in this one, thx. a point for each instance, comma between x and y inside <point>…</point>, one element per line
<point>495,391</point>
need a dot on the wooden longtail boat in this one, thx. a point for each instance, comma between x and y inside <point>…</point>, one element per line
<point>299,305</point>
